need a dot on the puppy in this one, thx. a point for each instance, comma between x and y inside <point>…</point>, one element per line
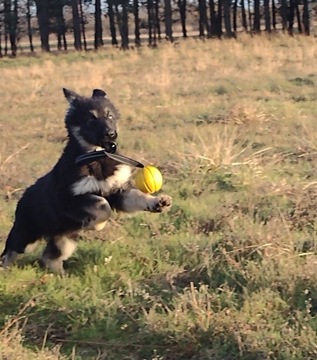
<point>72,197</point>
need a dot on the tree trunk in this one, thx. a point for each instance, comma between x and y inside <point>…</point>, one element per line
<point>83,26</point>
<point>157,26</point>
<point>58,25</point>
<point>149,4</point>
<point>267,16</point>
<point>76,25</point>
<point>1,54</point>
<point>291,16</point>
<point>284,14</point>
<point>256,20</point>
<point>61,28</point>
<point>235,11</point>
<point>98,42</point>
<point>182,13</point>
<point>64,37</point>
<point>249,14</point>
<point>168,20</point>
<point>219,19</point>
<point>112,23</point>
<point>14,29</point>
<point>203,20</point>
<point>118,17</point>
<point>43,21</point>
<point>6,37</point>
<point>244,16</point>
<point>28,19</point>
<point>10,20</point>
<point>273,15</point>
<point>125,26</point>
<point>137,38</point>
<point>59,41</point>
<point>227,17</point>
<point>154,24</point>
<point>299,24</point>
<point>122,30</point>
<point>306,18</point>
<point>213,18</point>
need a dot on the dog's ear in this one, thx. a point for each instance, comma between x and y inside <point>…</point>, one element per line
<point>98,93</point>
<point>70,95</point>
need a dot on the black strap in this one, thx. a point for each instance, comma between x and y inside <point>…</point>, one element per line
<point>99,154</point>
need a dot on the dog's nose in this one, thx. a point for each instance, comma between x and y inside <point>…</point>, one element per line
<point>112,134</point>
<point>112,147</point>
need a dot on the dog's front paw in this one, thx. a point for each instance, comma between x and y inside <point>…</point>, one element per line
<point>162,204</point>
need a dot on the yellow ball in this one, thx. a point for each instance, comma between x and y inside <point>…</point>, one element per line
<point>149,179</point>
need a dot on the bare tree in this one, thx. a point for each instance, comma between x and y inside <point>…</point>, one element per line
<point>168,20</point>
<point>244,16</point>
<point>257,17</point>
<point>28,19</point>
<point>149,7</point>
<point>137,37</point>
<point>10,23</point>
<point>1,54</point>
<point>122,20</point>
<point>249,14</point>
<point>273,14</point>
<point>112,24</point>
<point>299,25</point>
<point>283,12</point>
<point>76,25</point>
<point>157,26</point>
<point>182,13</point>
<point>125,25</point>
<point>291,16</point>
<point>14,30</point>
<point>267,16</point>
<point>203,20</point>
<point>235,13</point>
<point>98,42</point>
<point>219,19</point>
<point>213,18</point>
<point>43,21</point>
<point>83,25</point>
<point>227,17</point>
<point>57,9</point>
<point>306,20</point>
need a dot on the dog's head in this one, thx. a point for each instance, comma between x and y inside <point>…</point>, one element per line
<point>92,121</point>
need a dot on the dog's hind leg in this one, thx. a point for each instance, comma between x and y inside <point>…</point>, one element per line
<point>16,244</point>
<point>9,258</point>
<point>57,250</point>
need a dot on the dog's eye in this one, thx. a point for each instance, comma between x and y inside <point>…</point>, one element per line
<point>110,117</point>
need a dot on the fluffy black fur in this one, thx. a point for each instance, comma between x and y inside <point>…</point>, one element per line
<point>71,197</point>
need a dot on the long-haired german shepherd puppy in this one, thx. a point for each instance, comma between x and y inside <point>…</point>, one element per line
<point>72,197</point>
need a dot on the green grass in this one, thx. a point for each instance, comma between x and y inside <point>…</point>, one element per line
<point>230,271</point>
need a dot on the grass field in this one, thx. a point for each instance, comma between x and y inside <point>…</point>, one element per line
<point>230,272</point>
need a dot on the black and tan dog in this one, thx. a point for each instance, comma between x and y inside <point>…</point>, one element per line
<point>72,197</point>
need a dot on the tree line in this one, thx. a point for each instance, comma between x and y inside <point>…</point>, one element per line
<point>82,24</point>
